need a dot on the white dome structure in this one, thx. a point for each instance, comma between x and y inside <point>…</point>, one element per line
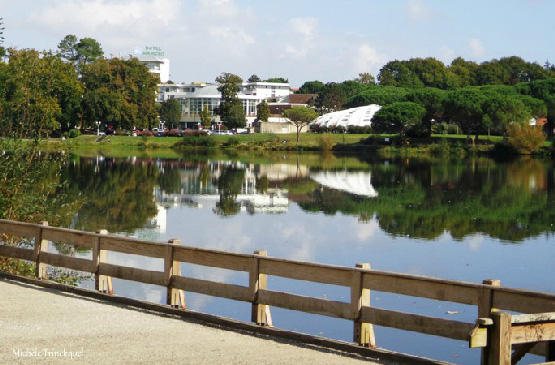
<point>359,117</point>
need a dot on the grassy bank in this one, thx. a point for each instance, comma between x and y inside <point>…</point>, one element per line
<point>174,147</point>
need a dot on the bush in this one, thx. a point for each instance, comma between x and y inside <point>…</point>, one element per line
<point>145,133</point>
<point>354,129</point>
<point>74,133</point>
<point>197,140</point>
<point>174,133</point>
<point>233,141</point>
<point>326,142</point>
<point>525,138</point>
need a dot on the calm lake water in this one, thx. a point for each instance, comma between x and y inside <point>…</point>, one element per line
<point>467,220</point>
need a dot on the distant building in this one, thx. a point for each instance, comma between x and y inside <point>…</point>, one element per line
<point>195,96</point>
<point>277,123</point>
<point>360,117</point>
<point>158,66</point>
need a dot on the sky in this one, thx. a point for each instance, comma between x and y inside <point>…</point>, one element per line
<point>300,40</point>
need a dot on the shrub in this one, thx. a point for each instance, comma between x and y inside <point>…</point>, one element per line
<point>74,133</point>
<point>326,142</point>
<point>232,141</point>
<point>525,138</point>
<point>145,133</point>
<point>174,133</point>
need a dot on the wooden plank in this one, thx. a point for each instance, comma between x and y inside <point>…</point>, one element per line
<point>363,333</point>
<point>19,229</point>
<point>16,252</point>
<point>306,304</point>
<point>69,236</point>
<point>211,288</point>
<point>325,274</point>
<point>532,333</point>
<point>135,247</point>
<point>417,323</point>
<point>523,301</point>
<point>221,259</point>
<point>417,286</point>
<point>132,273</point>
<point>536,317</point>
<point>260,313</point>
<point>500,341</point>
<point>478,337</point>
<point>68,262</point>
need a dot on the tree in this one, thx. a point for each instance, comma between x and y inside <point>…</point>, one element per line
<point>254,78</point>
<point>205,117</point>
<point>170,112</point>
<point>398,118</point>
<point>80,53</point>
<point>278,80</point>
<point>2,50</point>
<point>365,78</point>
<point>119,92</point>
<point>380,95</point>
<point>40,91</point>
<point>311,87</point>
<point>432,100</point>
<point>263,111</point>
<point>503,110</point>
<point>300,116</point>
<point>231,109</point>
<point>465,108</point>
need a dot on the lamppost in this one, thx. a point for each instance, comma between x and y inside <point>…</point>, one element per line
<point>162,126</point>
<point>97,127</point>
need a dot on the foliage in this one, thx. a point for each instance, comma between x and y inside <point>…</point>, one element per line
<point>74,133</point>
<point>263,111</point>
<point>37,87</point>
<point>380,95</point>
<point>311,87</point>
<point>326,142</point>
<point>300,116</point>
<point>254,78</point>
<point>231,109</point>
<point>120,93</point>
<point>80,52</point>
<point>205,117</point>
<point>431,99</point>
<point>170,112</point>
<point>464,107</point>
<point>524,138</point>
<point>365,78</point>
<point>280,80</point>
<point>229,185</point>
<point>398,118</point>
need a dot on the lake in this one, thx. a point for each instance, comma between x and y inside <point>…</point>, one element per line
<point>469,220</point>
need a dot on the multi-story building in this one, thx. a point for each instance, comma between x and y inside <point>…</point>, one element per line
<point>195,96</point>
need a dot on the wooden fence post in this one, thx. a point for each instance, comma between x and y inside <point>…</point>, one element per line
<point>41,269</point>
<point>174,297</point>
<point>260,313</point>
<point>499,339</point>
<point>363,333</point>
<point>102,283</point>
<point>485,307</point>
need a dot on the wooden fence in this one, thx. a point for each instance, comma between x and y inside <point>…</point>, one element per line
<point>488,297</point>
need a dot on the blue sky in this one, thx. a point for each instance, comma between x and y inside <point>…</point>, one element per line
<point>299,40</point>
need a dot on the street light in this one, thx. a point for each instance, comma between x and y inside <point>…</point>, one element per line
<point>97,128</point>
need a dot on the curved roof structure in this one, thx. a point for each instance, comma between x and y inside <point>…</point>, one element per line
<point>357,183</point>
<point>360,117</point>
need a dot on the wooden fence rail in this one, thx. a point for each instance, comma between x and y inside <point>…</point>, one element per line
<point>488,297</point>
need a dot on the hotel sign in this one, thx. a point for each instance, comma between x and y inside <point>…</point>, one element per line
<point>150,51</point>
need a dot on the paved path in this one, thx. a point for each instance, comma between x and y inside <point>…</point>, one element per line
<point>38,324</point>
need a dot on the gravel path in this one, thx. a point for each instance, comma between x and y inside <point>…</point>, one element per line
<point>44,326</point>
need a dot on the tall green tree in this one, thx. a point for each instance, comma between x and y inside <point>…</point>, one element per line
<point>432,100</point>
<point>365,78</point>
<point>311,87</point>
<point>278,80</point>
<point>80,52</point>
<point>465,108</point>
<point>205,117</point>
<point>40,92</point>
<point>263,111</point>
<point>398,118</point>
<point>170,112</point>
<point>119,92</point>
<point>300,117</point>
<point>231,109</point>
<point>254,78</point>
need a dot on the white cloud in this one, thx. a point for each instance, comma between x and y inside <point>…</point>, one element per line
<point>418,10</point>
<point>476,47</point>
<point>367,59</point>
<point>447,54</point>
<point>305,27</point>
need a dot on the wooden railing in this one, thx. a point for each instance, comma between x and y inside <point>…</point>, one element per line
<point>487,297</point>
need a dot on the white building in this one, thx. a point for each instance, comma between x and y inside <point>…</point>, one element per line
<point>360,117</point>
<point>158,66</point>
<point>195,96</point>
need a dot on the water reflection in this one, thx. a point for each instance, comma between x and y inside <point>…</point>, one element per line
<point>509,201</point>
